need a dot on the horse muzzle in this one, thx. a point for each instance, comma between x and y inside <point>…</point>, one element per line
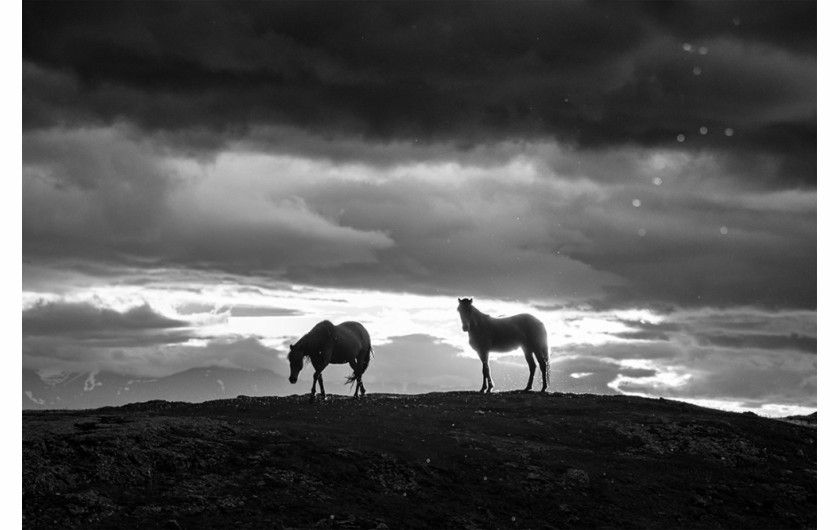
<point>465,327</point>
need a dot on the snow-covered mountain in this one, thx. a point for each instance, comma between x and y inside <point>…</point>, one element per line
<point>63,390</point>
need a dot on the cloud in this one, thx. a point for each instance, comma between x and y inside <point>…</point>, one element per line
<point>586,152</point>
<point>532,225</point>
<point>91,337</point>
<point>792,341</point>
<point>619,351</point>
<point>262,311</point>
<point>747,377</point>
<point>587,74</point>
<point>160,357</point>
<point>86,322</point>
<point>748,356</point>
<point>677,246</point>
<point>104,195</point>
<point>589,374</point>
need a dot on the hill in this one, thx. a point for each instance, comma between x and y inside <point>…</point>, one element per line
<point>441,460</point>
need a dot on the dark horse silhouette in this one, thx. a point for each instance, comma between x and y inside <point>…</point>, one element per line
<point>348,342</point>
<point>505,334</point>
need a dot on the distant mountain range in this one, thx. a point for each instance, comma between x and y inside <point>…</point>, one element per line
<point>63,390</point>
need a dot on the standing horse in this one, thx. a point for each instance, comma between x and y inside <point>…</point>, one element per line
<point>505,334</point>
<point>348,342</point>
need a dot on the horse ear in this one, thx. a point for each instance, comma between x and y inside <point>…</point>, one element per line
<point>468,300</point>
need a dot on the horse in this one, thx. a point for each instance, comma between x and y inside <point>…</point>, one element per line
<point>505,334</point>
<point>325,344</point>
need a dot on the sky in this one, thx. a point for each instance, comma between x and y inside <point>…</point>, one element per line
<point>202,182</point>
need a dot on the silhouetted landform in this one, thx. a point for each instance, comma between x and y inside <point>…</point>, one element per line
<point>440,460</point>
<point>810,419</point>
<point>67,390</point>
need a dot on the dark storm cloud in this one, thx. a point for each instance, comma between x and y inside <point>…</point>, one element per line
<point>642,335</point>
<point>793,341</point>
<point>123,102</point>
<point>649,331</point>
<point>148,360</point>
<point>97,326</point>
<point>662,351</point>
<point>698,251</point>
<point>590,73</point>
<point>745,339</point>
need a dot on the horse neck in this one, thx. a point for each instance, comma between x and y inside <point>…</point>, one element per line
<point>477,318</point>
<point>319,335</point>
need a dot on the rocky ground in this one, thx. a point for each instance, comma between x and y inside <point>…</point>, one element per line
<point>444,460</point>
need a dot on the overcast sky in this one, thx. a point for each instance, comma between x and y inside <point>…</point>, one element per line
<point>203,182</point>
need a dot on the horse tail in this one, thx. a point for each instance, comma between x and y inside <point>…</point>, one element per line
<point>545,353</point>
<point>364,361</point>
<point>547,356</point>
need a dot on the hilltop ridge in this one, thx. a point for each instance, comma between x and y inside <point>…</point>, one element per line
<point>443,460</point>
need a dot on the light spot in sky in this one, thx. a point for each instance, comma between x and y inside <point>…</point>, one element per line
<point>657,181</point>
<point>637,203</point>
<point>680,137</point>
<point>688,47</point>
<point>697,70</point>
<point>724,230</point>
<point>642,232</point>
<point>728,131</point>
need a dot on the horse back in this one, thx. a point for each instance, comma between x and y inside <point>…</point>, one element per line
<point>518,330</point>
<point>351,339</point>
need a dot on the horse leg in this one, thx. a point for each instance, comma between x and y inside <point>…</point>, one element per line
<point>543,367</point>
<point>359,385</point>
<point>321,384</point>
<point>532,366</point>
<point>487,379</point>
<point>357,378</point>
<point>486,372</point>
<point>315,379</point>
<point>485,369</point>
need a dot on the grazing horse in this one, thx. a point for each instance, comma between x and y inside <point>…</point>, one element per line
<point>326,344</point>
<point>505,334</point>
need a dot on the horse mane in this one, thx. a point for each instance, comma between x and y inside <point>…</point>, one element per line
<point>317,336</point>
<point>476,313</point>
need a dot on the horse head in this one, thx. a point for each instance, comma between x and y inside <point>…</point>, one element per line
<point>313,343</point>
<point>295,357</point>
<point>465,310</point>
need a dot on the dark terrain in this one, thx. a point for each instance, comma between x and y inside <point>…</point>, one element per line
<point>443,460</point>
